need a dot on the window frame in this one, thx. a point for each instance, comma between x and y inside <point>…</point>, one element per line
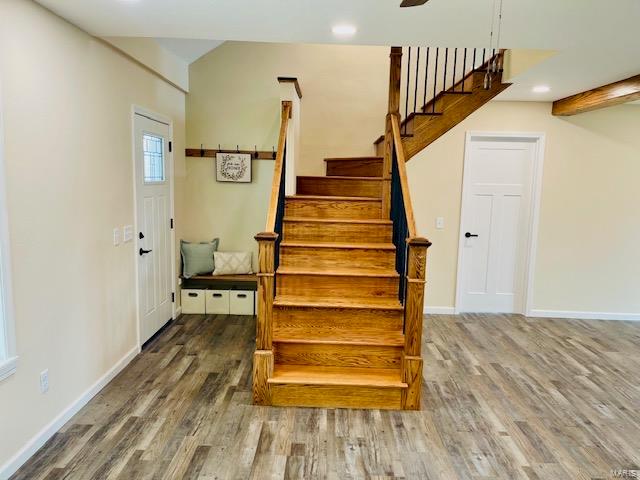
<point>8,356</point>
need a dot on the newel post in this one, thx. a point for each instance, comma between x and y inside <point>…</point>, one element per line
<point>414,308</point>
<point>395,66</point>
<point>263,356</point>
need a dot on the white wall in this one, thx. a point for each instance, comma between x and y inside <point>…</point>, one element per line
<point>588,258</point>
<point>67,101</point>
<point>234,99</point>
<point>155,57</point>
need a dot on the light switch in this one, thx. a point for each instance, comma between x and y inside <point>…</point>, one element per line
<point>116,236</point>
<point>127,233</point>
<point>440,223</point>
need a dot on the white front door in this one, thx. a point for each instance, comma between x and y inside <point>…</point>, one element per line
<point>153,235</point>
<point>497,199</point>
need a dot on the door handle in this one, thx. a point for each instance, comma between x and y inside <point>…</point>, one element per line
<point>469,235</point>
<point>142,251</point>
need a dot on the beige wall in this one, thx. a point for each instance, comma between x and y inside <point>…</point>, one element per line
<point>67,101</point>
<point>234,100</point>
<point>588,258</point>
<point>153,56</point>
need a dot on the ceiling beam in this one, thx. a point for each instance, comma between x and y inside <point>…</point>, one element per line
<point>606,96</point>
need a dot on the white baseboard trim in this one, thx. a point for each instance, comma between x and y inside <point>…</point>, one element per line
<point>33,445</point>
<point>584,315</point>
<point>178,312</point>
<point>439,310</point>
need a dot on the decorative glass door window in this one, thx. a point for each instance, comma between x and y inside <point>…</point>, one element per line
<point>153,150</point>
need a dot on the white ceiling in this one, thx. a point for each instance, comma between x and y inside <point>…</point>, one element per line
<point>597,40</point>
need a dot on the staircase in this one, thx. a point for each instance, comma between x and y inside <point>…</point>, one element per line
<point>337,320</point>
<point>341,267</point>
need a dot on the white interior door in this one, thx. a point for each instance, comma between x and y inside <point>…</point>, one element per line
<point>153,204</point>
<point>496,210</point>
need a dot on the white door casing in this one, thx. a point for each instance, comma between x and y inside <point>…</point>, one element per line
<point>153,234</point>
<point>501,189</point>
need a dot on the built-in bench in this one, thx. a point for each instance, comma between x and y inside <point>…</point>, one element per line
<point>219,294</point>
<point>222,282</point>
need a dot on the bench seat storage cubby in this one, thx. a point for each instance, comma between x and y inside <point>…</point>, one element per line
<point>223,294</point>
<point>217,301</point>
<point>241,302</point>
<point>193,301</point>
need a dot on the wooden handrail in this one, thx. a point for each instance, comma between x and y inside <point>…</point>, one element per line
<point>277,172</point>
<point>402,173</point>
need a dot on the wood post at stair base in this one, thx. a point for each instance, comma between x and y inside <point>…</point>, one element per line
<point>266,273</point>
<point>413,308</point>
<point>262,372</point>
<point>417,261</point>
<point>414,299</point>
<point>413,315</point>
<point>412,376</point>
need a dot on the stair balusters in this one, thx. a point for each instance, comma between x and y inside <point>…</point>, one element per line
<point>447,75</point>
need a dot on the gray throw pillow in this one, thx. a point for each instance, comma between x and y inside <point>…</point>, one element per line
<point>197,258</point>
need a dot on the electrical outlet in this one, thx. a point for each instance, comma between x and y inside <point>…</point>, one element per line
<point>440,223</point>
<point>116,236</point>
<point>127,233</point>
<point>44,381</point>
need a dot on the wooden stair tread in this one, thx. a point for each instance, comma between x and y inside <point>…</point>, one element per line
<point>342,177</point>
<point>352,159</point>
<point>334,198</point>
<point>375,303</point>
<point>339,272</point>
<point>348,376</point>
<point>374,221</point>
<point>341,336</point>
<point>345,245</point>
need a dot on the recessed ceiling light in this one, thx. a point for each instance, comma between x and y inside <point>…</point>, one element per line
<point>344,30</point>
<point>541,88</point>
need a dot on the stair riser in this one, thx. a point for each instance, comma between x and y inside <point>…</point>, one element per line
<point>338,318</point>
<point>343,209</point>
<point>336,286</point>
<point>355,168</point>
<point>337,232</point>
<point>338,187</point>
<point>328,258</point>
<point>336,355</point>
<point>331,396</point>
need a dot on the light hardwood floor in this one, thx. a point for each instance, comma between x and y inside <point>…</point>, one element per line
<point>504,397</point>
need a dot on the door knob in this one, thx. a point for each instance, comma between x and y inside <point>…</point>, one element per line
<point>142,251</point>
<point>469,235</point>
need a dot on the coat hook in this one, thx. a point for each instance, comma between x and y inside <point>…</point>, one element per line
<point>273,149</point>
<point>201,150</point>
<point>219,149</point>
<point>237,148</point>
<point>255,152</point>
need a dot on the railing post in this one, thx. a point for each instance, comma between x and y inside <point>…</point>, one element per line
<point>263,356</point>
<point>414,307</point>
<point>395,66</point>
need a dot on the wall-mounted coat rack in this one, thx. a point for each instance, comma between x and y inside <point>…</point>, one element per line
<point>207,152</point>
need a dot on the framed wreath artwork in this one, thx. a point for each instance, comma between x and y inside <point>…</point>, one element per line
<point>233,167</point>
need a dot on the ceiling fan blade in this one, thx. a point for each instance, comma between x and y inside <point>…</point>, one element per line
<point>413,3</point>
